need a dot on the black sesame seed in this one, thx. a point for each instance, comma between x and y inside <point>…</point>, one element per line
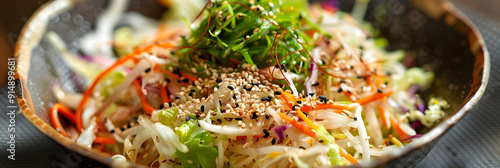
<point>177,97</point>
<point>123,129</point>
<point>267,116</point>
<point>299,102</point>
<point>321,141</point>
<point>190,94</point>
<point>254,115</point>
<point>355,118</point>
<point>222,110</point>
<point>269,98</point>
<point>342,81</point>
<point>352,67</point>
<point>220,103</point>
<point>188,118</point>
<point>178,72</point>
<point>266,133</point>
<point>378,90</point>
<point>311,94</point>
<point>192,90</point>
<point>273,141</point>
<point>170,103</point>
<point>281,85</point>
<point>148,70</point>
<point>162,106</point>
<point>185,80</point>
<point>276,66</point>
<point>301,147</point>
<point>218,80</point>
<point>315,84</point>
<point>295,107</point>
<point>230,87</point>
<point>386,82</point>
<point>340,90</point>
<point>202,108</point>
<point>234,96</point>
<point>178,81</point>
<point>239,119</point>
<point>166,79</point>
<point>277,92</point>
<point>322,97</point>
<point>263,99</point>
<point>283,68</point>
<point>112,131</point>
<point>359,76</point>
<point>237,105</point>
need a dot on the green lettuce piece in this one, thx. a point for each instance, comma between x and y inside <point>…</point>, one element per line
<point>185,130</point>
<point>201,153</point>
<point>168,116</point>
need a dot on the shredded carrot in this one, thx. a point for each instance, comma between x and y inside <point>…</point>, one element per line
<point>104,140</point>
<point>375,96</point>
<point>370,82</point>
<point>145,105</point>
<point>325,106</point>
<point>307,120</point>
<point>289,98</point>
<point>297,125</point>
<point>189,77</point>
<point>385,117</point>
<point>161,70</point>
<point>347,156</point>
<point>163,93</point>
<point>90,90</point>
<point>54,117</point>
<point>396,126</point>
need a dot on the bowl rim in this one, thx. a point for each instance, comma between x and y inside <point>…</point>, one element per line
<point>35,27</point>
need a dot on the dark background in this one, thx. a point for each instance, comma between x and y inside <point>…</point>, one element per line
<point>473,142</point>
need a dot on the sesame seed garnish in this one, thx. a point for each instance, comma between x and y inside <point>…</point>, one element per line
<point>273,141</point>
<point>301,147</point>
<point>355,118</point>
<point>148,70</point>
<point>277,92</point>
<point>112,131</point>
<point>185,80</point>
<point>166,79</point>
<point>266,133</point>
<point>295,107</point>
<point>188,118</point>
<point>222,110</point>
<point>239,119</point>
<point>254,115</point>
<point>170,103</point>
<point>264,99</point>
<point>342,81</point>
<point>230,87</point>
<point>267,116</point>
<point>220,103</point>
<point>299,102</point>
<point>311,94</point>
<point>315,84</point>
<point>378,90</point>
<point>340,90</point>
<point>202,108</point>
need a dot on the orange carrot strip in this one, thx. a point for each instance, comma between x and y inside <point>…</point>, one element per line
<point>307,120</point>
<point>163,94</point>
<point>289,98</point>
<point>347,156</point>
<point>297,125</point>
<point>90,90</point>
<point>145,105</point>
<point>375,96</point>
<point>396,126</point>
<point>161,70</point>
<point>54,117</point>
<point>325,106</point>
<point>370,82</point>
<point>104,140</point>
<point>385,117</point>
<point>189,77</point>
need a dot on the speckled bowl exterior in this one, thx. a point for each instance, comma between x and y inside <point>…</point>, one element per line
<point>432,31</point>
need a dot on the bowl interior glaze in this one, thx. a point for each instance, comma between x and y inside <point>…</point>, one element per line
<point>432,32</point>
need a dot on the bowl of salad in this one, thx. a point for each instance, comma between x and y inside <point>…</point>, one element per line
<point>253,83</point>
